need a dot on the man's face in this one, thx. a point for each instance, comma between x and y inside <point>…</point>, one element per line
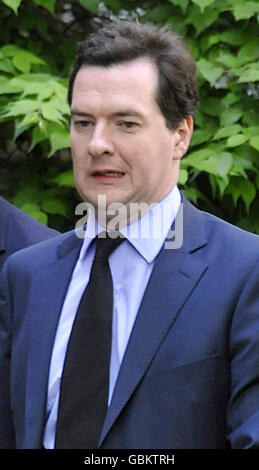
<point>121,146</point>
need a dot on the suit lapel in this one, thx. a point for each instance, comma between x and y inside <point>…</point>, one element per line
<point>53,279</point>
<point>175,275</point>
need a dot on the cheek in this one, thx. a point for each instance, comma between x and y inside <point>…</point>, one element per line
<point>144,165</point>
<point>79,154</point>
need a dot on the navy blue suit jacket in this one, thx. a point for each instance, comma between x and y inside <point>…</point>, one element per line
<point>190,374</point>
<point>18,230</point>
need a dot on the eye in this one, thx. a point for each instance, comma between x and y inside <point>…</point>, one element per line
<point>128,124</point>
<point>83,123</point>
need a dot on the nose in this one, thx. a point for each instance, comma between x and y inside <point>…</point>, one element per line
<point>101,141</point>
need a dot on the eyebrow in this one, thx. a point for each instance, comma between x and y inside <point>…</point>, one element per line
<point>124,113</point>
<point>76,112</point>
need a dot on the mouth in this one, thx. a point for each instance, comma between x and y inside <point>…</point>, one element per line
<point>107,174</point>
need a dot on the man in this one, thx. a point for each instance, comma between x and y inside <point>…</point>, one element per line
<point>18,230</point>
<point>183,358</point>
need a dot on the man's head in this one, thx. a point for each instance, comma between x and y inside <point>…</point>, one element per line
<point>123,41</point>
<point>127,137</point>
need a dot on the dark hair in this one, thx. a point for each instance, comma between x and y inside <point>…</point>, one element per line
<point>123,41</point>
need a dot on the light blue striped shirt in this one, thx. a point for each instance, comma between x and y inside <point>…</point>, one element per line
<point>131,265</point>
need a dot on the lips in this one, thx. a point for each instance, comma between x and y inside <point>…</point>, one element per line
<point>108,173</point>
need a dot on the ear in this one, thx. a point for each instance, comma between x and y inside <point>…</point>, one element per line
<point>183,135</point>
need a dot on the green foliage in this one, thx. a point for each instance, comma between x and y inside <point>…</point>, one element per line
<point>220,173</point>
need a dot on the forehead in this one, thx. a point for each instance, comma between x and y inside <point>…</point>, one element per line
<point>135,80</point>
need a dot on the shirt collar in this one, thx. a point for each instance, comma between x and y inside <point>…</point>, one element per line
<point>148,233</point>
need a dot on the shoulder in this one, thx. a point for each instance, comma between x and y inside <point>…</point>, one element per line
<point>229,233</point>
<point>19,229</point>
<point>222,238</point>
<point>43,253</point>
<point>18,218</point>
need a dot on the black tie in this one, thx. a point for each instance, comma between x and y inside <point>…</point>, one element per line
<point>85,379</point>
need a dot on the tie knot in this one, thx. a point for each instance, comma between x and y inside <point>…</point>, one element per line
<point>106,244</point>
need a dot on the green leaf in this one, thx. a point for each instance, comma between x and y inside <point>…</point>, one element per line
<point>227,131</point>
<point>9,50</point>
<point>208,40</point>
<point>7,66</point>
<point>230,98</point>
<point>14,51</point>
<point>24,60</point>
<point>19,128</point>
<point>209,71</point>
<point>244,189</point>
<point>251,117</point>
<point>91,5</point>
<point>193,194</point>
<point>252,131</point>
<point>45,93</point>
<point>8,86</point>
<point>209,166</point>
<point>26,195</point>
<point>201,22</point>
<point>240,165</point>
<point>213,184</point>
<point>177,25</point>
<point>183,176</point>
<point>211,106</point>
<point>21,59</point>
<point>225,162</point>
<point>230,116</point>
<point>113,5</point>
<point>28,78</point>
<point>48,4</point>
<point>210,161</point>
<point>249,52</point>
<point>59,139</point>
<point>34,89</point>
<point>30,206</point>
<point>159,13</point>
<point>254,142</point>
<point>183,4</point>
<point>249,73</point>
<point>250,224</point>
<point>30,119</point>
<point>50,113</point>
<point>65,179</point>
<point>34,211</point>
<point>222,184</point>
<point>13,4</point>
<point>245,11</point>
<point>200,136</point>
<point>236,140</point>
<point>236,2</point>
<point>227,59</point>
<point>22,63</point>
<point>196,158</point>
<point>20,107</point>
<point>38,135</point>
<point>59,87</point>
<point>249,154</point>
<point>203,3</point>
<point>55,206</point>
<point>235,37</point>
